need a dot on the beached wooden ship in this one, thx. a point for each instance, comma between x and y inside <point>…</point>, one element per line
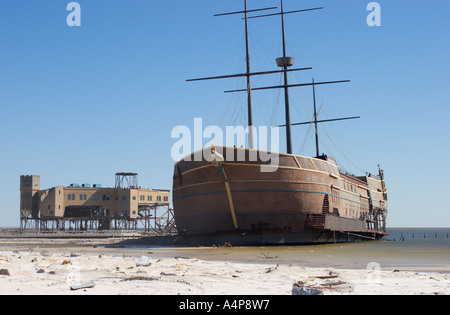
<point>228,198</point>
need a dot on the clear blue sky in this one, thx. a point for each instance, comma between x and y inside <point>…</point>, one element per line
<point>79,104</point>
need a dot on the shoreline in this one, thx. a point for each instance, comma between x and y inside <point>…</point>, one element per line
<point>353,256</point>
<point>48,268</point>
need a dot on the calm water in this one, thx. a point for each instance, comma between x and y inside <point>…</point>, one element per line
<point>404,249</point>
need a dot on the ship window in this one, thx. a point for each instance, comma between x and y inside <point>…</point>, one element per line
<point>320,166</point>
<point>305,163</point>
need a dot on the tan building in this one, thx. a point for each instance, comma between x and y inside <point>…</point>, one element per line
<point>84,201</point>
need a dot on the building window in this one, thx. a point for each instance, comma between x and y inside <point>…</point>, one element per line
<point>124,197</point>
<point>134,197</point>
<point>69,197</point>
<point>158,198</point>
<point>149,198</point>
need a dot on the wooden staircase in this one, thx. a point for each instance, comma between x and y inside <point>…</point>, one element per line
<point>317,221</point>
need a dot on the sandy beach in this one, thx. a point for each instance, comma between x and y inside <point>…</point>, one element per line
<point>52,267</point>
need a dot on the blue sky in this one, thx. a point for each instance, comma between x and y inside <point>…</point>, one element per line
<point>79,104</point>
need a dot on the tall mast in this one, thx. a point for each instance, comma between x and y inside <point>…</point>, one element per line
<point>286,89</point>
<point>249,84</point>
<point>315,120</point>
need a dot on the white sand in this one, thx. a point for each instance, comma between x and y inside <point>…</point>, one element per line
<point>171,276</point>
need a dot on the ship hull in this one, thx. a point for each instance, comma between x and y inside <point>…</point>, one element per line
<point>301,201</point>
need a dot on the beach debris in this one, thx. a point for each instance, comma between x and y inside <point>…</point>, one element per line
<point>144,261</point>
<point>88,285</point>
<point>66,262</point>
<point>299,289</point>
<point>178,258</point>
<point>270,269</point>
<point>41,271</point>
<point>326,277</point>
<point>331,284</point>
<point>4,272</point>
<point>225,245</point>
<point>267,256</point>
<point>302,282</point>
<point>140,278</point>
<point>34,260</point>
<point>74,255</point>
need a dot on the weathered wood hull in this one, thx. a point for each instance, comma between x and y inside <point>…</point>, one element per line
<point>304,201</point>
